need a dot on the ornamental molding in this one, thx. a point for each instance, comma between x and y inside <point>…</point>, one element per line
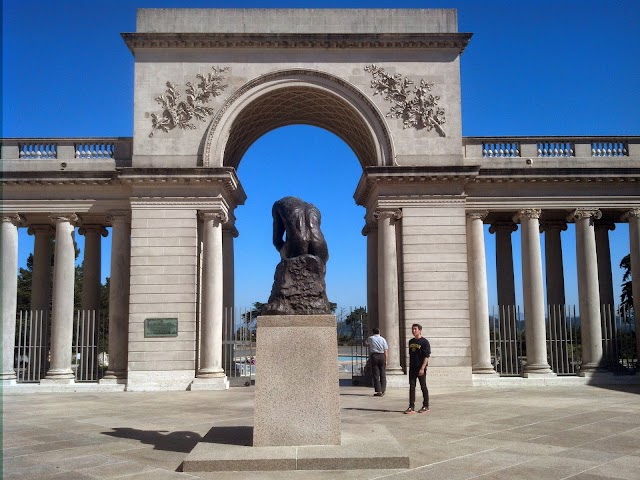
<point>605,225</point>
<point>40,229</point>
<point>457,41</point>
<point>71,218</point>
<point>418,109</point>
<point>179,114</point>
<point>527,213</point>
<point>313,78</point>
<point>633,213</point>
<point>119,216</point>
<point>585,213</point>
<point>395,214</point>
<point>218,217</point>
<point>13,218</point>
<point>553,225</point>
<point>93,228</point>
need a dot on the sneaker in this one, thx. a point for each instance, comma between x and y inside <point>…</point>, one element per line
<point>378,394</point>
<point>409,411</point>
<point>423,410</point>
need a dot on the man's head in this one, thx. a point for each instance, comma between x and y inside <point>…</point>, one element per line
<point>416,330</point>
<point>376,331</point>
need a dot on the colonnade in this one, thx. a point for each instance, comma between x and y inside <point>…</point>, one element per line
<point>594,280</point>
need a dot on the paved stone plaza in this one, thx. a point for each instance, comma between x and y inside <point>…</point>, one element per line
<point>578,432</point>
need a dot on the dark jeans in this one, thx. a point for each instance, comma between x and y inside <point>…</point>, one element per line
<point>379,373</point>
<point>413,376</point>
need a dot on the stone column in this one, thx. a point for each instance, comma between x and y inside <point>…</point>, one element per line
<point>211,375</point>
<point>478,294</point>
<point>633,216</point>
<point>119,284</point>
<point>371,232</point>
<point>588,290</point>
<point>62,309</point>
<point>41,276</point>
<point>388,305</point>
<point>555,288</point>
<point>228,269</point>
<point>506,295</point>
<point>605,276</point>
<point>91,280</point>
<point>9,259</point>
<point>534,310</point>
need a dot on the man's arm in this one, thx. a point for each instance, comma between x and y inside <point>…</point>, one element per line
<point>386,357</point>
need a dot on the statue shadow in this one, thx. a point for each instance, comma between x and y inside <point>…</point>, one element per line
<point>180,441</point>
<point>185,441</point>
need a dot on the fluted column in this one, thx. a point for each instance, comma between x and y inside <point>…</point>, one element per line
<point>119,287</point>
<point>41,275</point>
<point>605,276</point>
<point>633,217</point>
<point>504,263</point>
<point>478,294</point>
<point>534,308</point>
<point>9,259</point>
<point>588,289</point>
<point>211,371</point>
<point>388,306</point>
<point>62,303</point>
<point>553,260</point>
<point>371,232</point>
<point>228,268</point>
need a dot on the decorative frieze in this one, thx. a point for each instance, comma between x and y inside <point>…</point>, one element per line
<point>418,109</point>
<point>179,114</point>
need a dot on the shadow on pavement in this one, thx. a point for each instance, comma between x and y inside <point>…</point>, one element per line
<point>180,441</point>
<point>237,435</point>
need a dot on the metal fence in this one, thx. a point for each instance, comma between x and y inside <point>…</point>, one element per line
<point>89,357</point>
<point>564,348</point>
<point>239,345</point>
<point>619,339</point>
<point>506,328</point>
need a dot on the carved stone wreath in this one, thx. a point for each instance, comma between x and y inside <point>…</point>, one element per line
<point>179,114</point>
<point>418,109</point>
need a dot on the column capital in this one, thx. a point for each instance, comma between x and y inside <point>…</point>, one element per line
<point>477,214</point>
<point>14,218</point>
<point>553,225</point>
<point>218,216</point>
<point>503,226</point>
<point>582,213</point>
<point>395,214</point>
<point>633,213</point>
<point>606,225</point>
<point>40,229</point>
<point>527,213</point>
<point>115,216</point>
<point>369,228</point>
<point>93,228</point>
<point>72,218</point>
<point>231,230</point>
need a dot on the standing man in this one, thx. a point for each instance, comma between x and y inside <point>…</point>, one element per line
<point>379,358</point>
<point>419,353</point>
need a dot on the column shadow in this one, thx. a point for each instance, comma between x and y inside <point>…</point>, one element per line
<point>179,441</point>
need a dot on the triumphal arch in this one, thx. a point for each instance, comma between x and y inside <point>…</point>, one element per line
<point>208,83</point>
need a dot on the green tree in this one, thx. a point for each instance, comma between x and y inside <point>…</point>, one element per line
<point>358,321</point>
<point>626,297</point>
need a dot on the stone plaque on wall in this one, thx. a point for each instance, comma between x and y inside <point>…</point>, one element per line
<point>161,327</point>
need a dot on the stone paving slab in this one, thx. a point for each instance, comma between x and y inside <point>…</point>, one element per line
<point>578,432</point>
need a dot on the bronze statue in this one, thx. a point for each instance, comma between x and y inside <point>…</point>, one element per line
<point>298,285</point>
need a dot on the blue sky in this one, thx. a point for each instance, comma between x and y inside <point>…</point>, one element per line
<point>531,68</point>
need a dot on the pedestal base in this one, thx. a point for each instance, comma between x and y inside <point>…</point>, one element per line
<point>297,398</point>
<point>57,381</point>
<point>362,447</point>
<point>210,383</point>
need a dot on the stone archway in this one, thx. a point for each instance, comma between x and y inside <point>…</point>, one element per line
<point>297,97</point>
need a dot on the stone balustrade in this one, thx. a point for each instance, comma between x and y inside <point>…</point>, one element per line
<point>570,151</point>
<point>21,153</point>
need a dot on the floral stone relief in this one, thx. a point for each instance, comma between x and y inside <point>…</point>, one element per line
<point>179,113</point>
<point>418,109</point>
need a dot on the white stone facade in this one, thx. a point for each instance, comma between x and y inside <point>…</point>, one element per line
<point>427,191</point>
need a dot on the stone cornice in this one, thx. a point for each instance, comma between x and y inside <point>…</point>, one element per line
<point>406,175</point>
<point>457,41</point>
<point>557,175</point>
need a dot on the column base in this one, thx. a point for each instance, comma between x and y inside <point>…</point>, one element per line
<point>5,382</point>
<point>209,383</point>
<point>60,376</point>
<point>483,370</point>
<point>57,381</point>
<point>539,374</point>
<point>210,373</point>
<point>537,370</point>
<point>394,371</point>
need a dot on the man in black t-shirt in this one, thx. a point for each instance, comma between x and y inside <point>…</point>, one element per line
<point>419,353</point>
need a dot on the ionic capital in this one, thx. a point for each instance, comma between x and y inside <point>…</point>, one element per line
<point>550,225</point>
<point>392,214</point>
<point>231,230</point>
<point>633,213</point>
<point>477,214</point>
<point>218,217</point>
<point>607,225</point>
<point>369,228</point>
<point>71,218</point>
<point>40,229</point>
<point>119,216</point>
<point>527,213</point>
<point>14,218</point>
<point>93,229</point>
<point>503,227</point>
<point>585,213</point>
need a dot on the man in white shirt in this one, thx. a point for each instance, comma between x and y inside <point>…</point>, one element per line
<point>379,358</point>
